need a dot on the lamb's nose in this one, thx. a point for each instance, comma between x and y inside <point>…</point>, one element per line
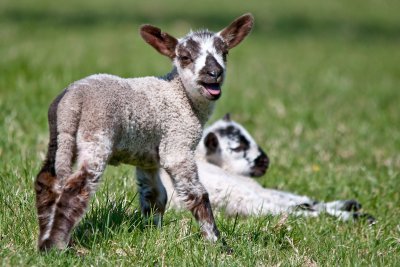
<point>214,73</point>
<point>262,160</point>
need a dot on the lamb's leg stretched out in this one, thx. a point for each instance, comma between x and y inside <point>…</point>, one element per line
<point>344,210</point>
<point>249,198</point>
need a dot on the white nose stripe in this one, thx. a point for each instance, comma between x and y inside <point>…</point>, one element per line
<point>206,48</point>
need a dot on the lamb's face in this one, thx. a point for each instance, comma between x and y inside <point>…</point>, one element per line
<point>200,56</point>
<point>228,145</point>
<point>200,61</point>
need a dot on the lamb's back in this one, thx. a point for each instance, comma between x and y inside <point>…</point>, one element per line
<point>106,101</point>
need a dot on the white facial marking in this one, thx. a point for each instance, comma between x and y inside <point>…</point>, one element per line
<point>207,47</point>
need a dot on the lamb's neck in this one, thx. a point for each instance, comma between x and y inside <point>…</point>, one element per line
<point>203,108</point>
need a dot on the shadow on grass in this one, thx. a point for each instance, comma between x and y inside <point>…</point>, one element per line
<point>105,218</point>
<point>287,25</point>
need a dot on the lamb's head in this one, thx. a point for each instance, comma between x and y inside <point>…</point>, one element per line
<point>227,144</point>
<point>200,57</point>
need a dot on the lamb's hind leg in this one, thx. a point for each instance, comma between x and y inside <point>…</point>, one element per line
<point>69,209</point>
<point>342,209</point>
<point>47,192</point>
<point>75,194</point>
<point>344,205</point>
<point>153,197</point>
<point>47,184</point>
<point>347,210</point>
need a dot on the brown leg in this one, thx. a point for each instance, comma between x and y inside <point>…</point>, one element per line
<point>70,208</point>
<point>47,192</point>
<point>47,183</point>
<point>195,197</point>
<point>200,207</point>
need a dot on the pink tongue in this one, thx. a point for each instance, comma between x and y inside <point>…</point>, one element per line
<point>213,89</point>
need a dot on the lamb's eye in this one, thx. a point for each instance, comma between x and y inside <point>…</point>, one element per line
<point>243,145</point>
<point>239,148</point>
<point>185,58</point>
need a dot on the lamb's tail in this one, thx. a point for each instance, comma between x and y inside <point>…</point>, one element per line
<point>49,162</point>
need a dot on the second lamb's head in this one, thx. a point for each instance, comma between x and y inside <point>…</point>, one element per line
<point>228,145</point>
<point>200,57</point>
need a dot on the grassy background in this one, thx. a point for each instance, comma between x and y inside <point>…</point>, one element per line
<point>317,84</point>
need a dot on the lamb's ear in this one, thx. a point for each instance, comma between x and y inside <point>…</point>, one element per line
<point>211,143</point>
<point>227,117</point>
<point>237,30</point>
<point>161,41</point>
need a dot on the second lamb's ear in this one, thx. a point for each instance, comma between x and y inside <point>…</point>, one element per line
<point>211,143</point>
<point>237,30</point>
<point>161,41</point>
<point>227,117</point>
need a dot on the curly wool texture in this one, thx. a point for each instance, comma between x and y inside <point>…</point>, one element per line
<point>149,122</point>
<point>141,118</point>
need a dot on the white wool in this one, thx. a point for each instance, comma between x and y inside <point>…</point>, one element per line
<point>235,193</point>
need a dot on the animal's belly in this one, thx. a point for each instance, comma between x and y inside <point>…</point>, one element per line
<point>137,146</point>
<point>142,159</point>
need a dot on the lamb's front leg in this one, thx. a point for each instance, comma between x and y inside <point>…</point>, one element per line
<point>193,194</point>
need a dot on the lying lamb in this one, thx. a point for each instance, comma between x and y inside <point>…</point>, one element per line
<point>148,122</point>
<point>227,157</point>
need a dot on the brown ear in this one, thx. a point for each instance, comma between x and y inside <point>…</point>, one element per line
<point>237,30</point>
<point>161,41</point>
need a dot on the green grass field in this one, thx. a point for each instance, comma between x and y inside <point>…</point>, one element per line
<point>317,84</point>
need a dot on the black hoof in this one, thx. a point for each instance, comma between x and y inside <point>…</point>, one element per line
<point>50,244</point>
<point>46,245</point>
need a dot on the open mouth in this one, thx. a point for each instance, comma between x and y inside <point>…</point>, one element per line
<point>212,90</point>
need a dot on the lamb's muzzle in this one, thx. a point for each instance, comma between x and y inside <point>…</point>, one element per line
<point>149,122</point>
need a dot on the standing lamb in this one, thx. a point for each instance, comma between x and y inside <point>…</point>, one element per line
<point>150,122</point>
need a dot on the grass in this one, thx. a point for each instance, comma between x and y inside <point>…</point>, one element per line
<point>316,84</point>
